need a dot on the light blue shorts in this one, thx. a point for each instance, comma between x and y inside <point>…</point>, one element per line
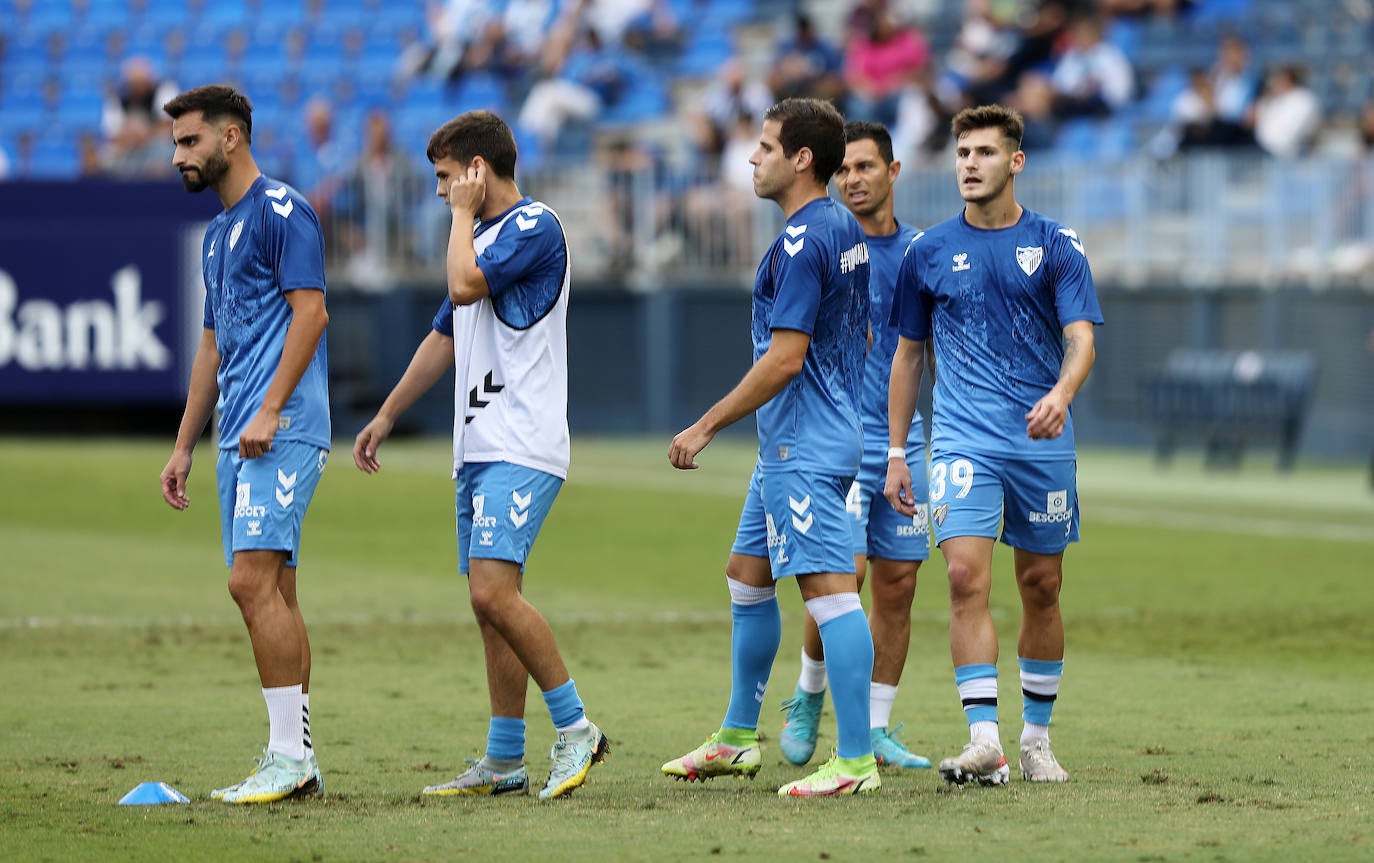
<point>878,529</point>
<point>798,521</point>
<point>262,501</point>
<point>501,507</point>
<point>1034,502</point>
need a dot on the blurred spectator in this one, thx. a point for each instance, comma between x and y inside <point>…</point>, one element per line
<point>1367,129</point>
<point>882,59</point>
<point>977,62</point>
<point>920,132</point>
<point>610,19</point>
<point>1136,8</point>
<point>806,65</point>
<point>718,215</point>
<point>512,45</point>
<point>454,26</point>
<point>730,96</point>
<point>136,131</point>
<point>655,32</point>
<point>1093,76</point>
<point>319,165</point>
<point>592,79</point>
<point>1234,84</point>
<point>374,199</point>
<point>1034,98</point>
<point>1287,114</point>
<point>1038,43</point>
<point>1195,120</point>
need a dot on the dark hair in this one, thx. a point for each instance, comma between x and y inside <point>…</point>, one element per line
<point>476,133</point>
<point>815,124</point>
<point>865,130</point>
<point>214,101</point>
<point>1004,120</point>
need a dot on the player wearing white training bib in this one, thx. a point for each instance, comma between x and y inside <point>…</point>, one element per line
<point>1008,300</point>
<point>503,328</point>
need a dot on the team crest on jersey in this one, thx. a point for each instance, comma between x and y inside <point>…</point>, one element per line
<point>1029,258</point>
<point>234,234</point>
<point>939,513</point>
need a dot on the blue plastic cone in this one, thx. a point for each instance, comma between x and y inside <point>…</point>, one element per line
<point>151,794</point>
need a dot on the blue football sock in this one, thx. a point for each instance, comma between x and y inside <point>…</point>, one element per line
<point>755,634</point>
<point>565,707</point>
<point>1039,688</point>
<point>849,666</point>
<point>506,739</point>
<point>978,690</point>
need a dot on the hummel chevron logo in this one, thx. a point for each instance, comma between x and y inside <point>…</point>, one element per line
<point>800,507</point>
<point>525,224</point>
<point>487,388</point>
<point>278,193</point>
<point>520,513</point>
<point>796,231</point>
<point>284,211</point>
<point>285,499</point>
<point>792,248</point>
<point>286,482</point>
<point>1073,239</point>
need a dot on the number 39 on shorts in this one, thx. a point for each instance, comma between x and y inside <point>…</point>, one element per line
<point>958,473</point>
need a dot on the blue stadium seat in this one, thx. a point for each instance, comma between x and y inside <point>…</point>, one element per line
<point>1221,10</point>
<point>704,53</point>
<point>480,90</point>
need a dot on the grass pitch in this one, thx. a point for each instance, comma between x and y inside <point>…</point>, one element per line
<point>1215,705</point>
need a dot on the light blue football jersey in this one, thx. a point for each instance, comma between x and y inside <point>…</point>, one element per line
<point>996,303</point>
<point>885,258</point>
<point>253,253</point>
<point>814,279</point>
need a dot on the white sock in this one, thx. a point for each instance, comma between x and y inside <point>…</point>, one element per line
<point>1034,732</point>
<point>305,722</point>
<point>983,731</point>
<point>880,699</point>
<point>812,677</point>
<point>286,734</point>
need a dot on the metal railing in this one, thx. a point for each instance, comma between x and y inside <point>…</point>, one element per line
<point>1203,221</point>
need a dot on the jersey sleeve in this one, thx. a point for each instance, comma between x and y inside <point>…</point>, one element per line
<point>207,314</point>
<point>443,319</point>
<point>530,245</point>
<point>911,304</point>
<point>800,270</point>
<point>296,243</point>
<point>1075,298</point>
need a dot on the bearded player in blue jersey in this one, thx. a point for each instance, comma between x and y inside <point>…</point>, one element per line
<point>503,329</point>
<point>810,326</point>
<point>890,545</point>
<point>262,355</point>
<point>1007,298</point>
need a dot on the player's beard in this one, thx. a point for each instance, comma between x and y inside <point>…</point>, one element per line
<point>199,179</point>
<point>989,192</point>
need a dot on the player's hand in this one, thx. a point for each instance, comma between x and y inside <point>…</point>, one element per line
<point>1047,418</point>
<point>174,480</point>
<point>897,488</point>
<point>256,438</point>
<point>683,450</point>
<point>467,191</point>
<point>366,443</point>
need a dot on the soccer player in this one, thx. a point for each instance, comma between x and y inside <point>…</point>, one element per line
<point>1008,300</point>
<point>810,322</point>
<point>892,545</point>
<point>504,324</point>
<point>262,355</point>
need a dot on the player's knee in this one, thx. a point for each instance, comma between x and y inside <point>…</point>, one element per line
<point>1040,586</point>
<point>894,590</point>
<point>249,589</point>
<point>967,584</point>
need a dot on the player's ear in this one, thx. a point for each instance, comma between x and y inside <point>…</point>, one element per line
<point>803,159</point>
<point>1018,161</point>
<point>894,169</point>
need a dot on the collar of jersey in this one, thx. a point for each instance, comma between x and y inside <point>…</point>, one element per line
<point>483,224</point>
